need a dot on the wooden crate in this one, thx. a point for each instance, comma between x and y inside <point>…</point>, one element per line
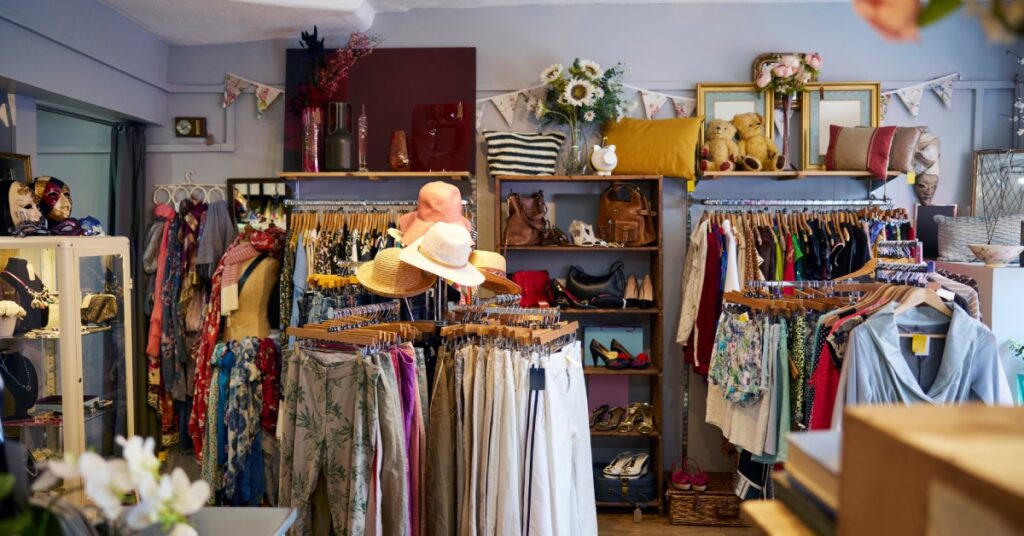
<point>716,506</point>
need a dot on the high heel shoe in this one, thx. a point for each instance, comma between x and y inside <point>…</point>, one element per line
<point>597,413</point>
<point>610,420</point>
<point>646,298</point>
<point>640,361</point>
<point>563,298</point>
<point>629,420</point>
<point>632,293</point>
<point>646,426</point>
<point>611,360</point>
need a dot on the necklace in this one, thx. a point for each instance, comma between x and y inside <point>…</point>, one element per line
<point>28,375</point>
<point>41,299</point>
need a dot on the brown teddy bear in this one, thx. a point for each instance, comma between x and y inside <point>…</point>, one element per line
<point>757,151</point>
<point>719,151</point>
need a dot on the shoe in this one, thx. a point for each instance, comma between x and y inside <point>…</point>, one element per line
<point>646,426</point>
<point>597,413</point>
<point>636,467</point>
<point>629,420</point>
<point>610,420</point>
<point>615,467</point>
<point>698,478</point>
<point>641,361</point>
<point>646,298</point>
<point>632,293</point>
<point>583,235</point>
<point>680,480</point>
<point>610,359</point>
<point>563,298</point>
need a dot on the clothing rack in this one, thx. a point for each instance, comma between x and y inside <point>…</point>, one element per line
<point>741,204</point>
<point>388,309</point>
<point>758,284</point>
<point>345,203</point>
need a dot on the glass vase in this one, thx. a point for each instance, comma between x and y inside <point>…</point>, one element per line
<point>312,128</point>
<point>576,157</point>
<point>787,110</point>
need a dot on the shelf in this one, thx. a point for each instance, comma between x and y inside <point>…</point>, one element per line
<point>45,334</point>
<point>577,178</point>
<point>627,311</point>
<point>375,175</point>
<point>56,419</point>
<point>613,433</point>
<point>579,249</point>
<point>604,371</point>
<point>797,174</point>
<point>607,504</point>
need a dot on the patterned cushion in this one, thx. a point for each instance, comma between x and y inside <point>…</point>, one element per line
<point>904,146</point>
<point>859,149</point>
<point>523,153</point>
<point>955,234</point>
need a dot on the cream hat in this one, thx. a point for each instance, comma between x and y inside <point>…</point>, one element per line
<point>444,251</point>
<point>386,275</point>
<point>492,265</point>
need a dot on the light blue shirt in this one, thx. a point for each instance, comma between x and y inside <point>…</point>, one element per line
<point>299,277</point>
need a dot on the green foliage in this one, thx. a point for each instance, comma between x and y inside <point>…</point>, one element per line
<point>582,95</point>
<point>935,10</point>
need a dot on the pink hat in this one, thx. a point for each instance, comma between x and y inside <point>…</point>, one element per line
<point>438,202</point>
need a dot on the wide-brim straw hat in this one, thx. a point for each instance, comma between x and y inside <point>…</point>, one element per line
<point>444,251</point>
<point>386,275</point>
<point>493,266</point>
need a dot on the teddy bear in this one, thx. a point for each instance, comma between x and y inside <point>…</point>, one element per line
<point>719,151</point>
<point>757,152</point>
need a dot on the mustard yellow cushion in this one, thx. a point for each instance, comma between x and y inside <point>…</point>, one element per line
<point>656,147</point>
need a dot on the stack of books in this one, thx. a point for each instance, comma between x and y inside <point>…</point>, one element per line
<point>809,487</point>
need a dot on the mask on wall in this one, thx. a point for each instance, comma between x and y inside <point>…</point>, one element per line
<point>18,207</point>
<point>54,198</point>
<point>926,166</point>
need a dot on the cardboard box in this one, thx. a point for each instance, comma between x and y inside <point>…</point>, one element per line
<point>900,463</point>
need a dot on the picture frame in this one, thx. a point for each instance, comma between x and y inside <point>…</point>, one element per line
<point>848,104</point>
<point>724,100</point>
<point>16,166</point>
<point>986,165</point>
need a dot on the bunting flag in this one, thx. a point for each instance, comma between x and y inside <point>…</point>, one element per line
<point>883,102</point>
<point>911,97</point>
<point>3,114</point>
<point>506,105</point>
<point>12,109</point>
<point>944,89</point>
<point>479,115</point>
<point>234,85</point>
<point>684,106</point>
<point>653,103</point>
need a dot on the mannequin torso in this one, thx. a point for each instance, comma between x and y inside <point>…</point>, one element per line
<point>250,319</point>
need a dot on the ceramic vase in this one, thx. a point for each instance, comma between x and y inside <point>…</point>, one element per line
<point>7,324</point>
<point>398,156</point>
<point>576,157</point>
<point>995,255</point>
<point>338,147</point>
<point>312,128</point>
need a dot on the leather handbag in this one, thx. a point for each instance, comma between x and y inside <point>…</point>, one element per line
<point>526,220</point>
<point>99,308</point>
<point>611,285</point>
<point>629,222</point>
<point>535,286</point>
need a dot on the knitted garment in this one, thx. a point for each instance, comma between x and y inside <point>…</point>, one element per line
<point>234,258</point>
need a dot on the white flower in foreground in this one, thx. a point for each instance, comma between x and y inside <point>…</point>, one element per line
<point>579,92</point>
<point>189,497</point>
<point>591,68</point>
<point>182,529</point>
<point>106,483</point>
<point>154,499</point>
<point>56,471</point>
<point>142,462</point>
<point>589,116</point>
<point>551,73</point>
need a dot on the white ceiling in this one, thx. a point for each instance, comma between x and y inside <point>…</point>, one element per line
<point>201,22</point>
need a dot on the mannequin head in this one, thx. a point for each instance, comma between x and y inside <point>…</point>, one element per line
<point>18,206</point>
<point>54,198</point>
<point>925,188</point>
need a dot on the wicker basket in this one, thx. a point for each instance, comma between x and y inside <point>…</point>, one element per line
<point>717,506</point>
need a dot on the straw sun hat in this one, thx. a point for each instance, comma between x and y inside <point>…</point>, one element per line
<point>386,275</point>
<point>444,251</point>
<point>492,265</point>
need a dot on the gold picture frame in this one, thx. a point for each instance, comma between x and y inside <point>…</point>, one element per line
<point>734,97</point>
<point>16,166</point>
<point>856,104</point>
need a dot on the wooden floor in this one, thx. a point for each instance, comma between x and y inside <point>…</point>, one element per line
<point>610,524</point>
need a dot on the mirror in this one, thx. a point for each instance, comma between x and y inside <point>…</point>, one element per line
<point>258,202</point>
<point>16,167</point>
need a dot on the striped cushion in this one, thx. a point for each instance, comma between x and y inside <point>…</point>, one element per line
<point>859,149</point>
<point>519,153</point>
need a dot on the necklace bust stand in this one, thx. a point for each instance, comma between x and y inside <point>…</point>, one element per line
<point>14,290</point>
<point>21,385</point>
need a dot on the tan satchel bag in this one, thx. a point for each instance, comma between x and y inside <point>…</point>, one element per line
<point>526,220</point>
<point>629,222</point>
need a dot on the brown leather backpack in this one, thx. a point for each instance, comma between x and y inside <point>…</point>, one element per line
<point>629,222</point>
<point>526,220</point>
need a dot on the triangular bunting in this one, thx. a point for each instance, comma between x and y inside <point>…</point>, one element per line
<point>3,114</point>
<point>265,96</point>
<point>911,97</point>
<point>684,106</point>
<point>12,109</point>
<point>883,102</point>
<point>653,103</point>
<point>233,87</point>
<point>480,114</point>
<point>944,89</point>
<point>506,105</point>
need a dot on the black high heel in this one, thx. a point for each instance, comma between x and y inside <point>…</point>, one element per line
<point>563,298</point>
<point>611,359</point>
<point>623,352</point>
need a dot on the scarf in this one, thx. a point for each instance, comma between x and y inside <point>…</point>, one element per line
<point>235,257</point>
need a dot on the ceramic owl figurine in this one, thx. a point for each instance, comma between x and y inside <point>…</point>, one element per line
<point>604,159</point>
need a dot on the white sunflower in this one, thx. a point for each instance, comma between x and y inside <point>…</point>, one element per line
<point>598,93</point>
<point>579,92</point>
<point>589,116</point>
<point>591,69</point>
<point>551,73</point>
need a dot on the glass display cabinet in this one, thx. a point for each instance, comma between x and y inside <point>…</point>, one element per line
<point>66,367</point>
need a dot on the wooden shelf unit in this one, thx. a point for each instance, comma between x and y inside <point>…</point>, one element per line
<point>797,175</point>
<point>652,318</point>
<point>375,175</point>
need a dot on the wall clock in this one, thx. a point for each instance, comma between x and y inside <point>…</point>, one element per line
<point>190,127</point>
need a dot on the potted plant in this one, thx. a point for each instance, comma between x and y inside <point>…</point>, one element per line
<point>788,75</point>
<point>1001,196</point>
<point>10,312</point>
<point>582,95</point>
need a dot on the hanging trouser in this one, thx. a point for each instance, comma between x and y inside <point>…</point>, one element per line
<point>506,456</point>
<point>440,465</point>
<point>392,460</point>
<point>537,520</point>
<point>331,431</point>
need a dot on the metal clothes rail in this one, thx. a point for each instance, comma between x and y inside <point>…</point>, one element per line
<point>740,204</point>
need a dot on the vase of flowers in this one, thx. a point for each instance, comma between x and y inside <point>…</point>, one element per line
<point>786,77</point>
<point>164,501</point>
<point>327,75</point>
<point>578,97</point>
<point>10,312</point>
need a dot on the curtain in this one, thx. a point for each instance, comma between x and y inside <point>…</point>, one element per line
<point>127,218</point>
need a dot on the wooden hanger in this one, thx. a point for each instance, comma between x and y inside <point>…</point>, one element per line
<point>922,296</point>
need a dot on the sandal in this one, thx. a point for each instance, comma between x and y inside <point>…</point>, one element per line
<point>636,467</point>
<point>632,412</point>
<point>698,478</point>
<point>618,464</point>
<point>646,426</point>
<point>597,413</point>
<point>583,235</point>
<point>680,480</point>
<point>610,420</point>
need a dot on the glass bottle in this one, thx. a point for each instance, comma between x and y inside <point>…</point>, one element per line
<point>363,129</point>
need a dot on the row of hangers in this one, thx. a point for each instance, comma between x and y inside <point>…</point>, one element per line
<point>799,221</point>
<point>365,326</point>
<point>379,221</point>
<point>523,325</point>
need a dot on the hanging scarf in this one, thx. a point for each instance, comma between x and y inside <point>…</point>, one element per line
<point>165,214</point>
<point>234,258</point>
<point>243,472</point>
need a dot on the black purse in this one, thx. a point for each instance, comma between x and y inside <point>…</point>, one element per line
<point>607,290</point>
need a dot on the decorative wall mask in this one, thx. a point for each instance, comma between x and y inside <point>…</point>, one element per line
<point>54,198</point>
<point>926,166</point>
